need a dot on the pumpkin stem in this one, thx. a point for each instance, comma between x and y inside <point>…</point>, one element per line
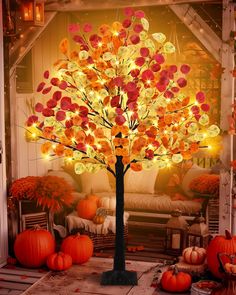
<point>228,235</point>
<point>194,248</point>
<point>175,270</point>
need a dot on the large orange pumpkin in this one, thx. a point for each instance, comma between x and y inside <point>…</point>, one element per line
<point>228,288</point>
<point>94,198</point>
<point>33,246</point>
<point>79,247</point>
<point>86,209</point>
<point>59,261</point>
<point>220,244</point>
<point>175,281</point>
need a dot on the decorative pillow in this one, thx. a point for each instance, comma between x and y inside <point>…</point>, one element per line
<point>68,178</point>
<point>192,173</point>
<point>95,182</point>
<point>140,182</point>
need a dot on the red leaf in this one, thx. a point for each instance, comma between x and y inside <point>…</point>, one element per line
<point>46,74</point>
<point>46,90</point>
<point>40,87</point>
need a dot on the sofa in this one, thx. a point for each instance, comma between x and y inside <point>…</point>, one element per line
<point>150,195</point>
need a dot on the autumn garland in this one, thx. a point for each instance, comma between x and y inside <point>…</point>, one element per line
<point>50,192</point>
<point>206,184</point>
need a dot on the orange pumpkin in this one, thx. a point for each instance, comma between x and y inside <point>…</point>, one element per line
<point>33,246</point>
<point>59,261</point>
<point>175,281</point>
<point>86,209</point>
<point>220,244</point>
<point>79,247</point>
<point>194,255</point>
<point>98,219</point>
<point>93,197</point>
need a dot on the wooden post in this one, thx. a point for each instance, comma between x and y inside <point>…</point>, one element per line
<point>201,30</point>
<point>227,98</point>
<point>3,194</point>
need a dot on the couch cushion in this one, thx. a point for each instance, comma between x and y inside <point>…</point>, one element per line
<point>95,182</point>
<point>140,182</point>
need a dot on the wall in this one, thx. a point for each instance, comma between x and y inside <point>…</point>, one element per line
<point>28,159</point>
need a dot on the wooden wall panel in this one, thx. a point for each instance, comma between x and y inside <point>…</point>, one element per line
<point>28,159</point>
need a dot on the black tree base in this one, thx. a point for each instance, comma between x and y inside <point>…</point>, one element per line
<point>116,277</point>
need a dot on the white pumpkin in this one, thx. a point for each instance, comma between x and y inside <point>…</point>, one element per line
<point>194,255</point>
<point>108,203</point>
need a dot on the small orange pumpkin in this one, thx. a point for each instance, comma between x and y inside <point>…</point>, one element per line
<point>79,247</point>
<point>59,261</point>
<point>98,219</point>
<point>86,209</point>
<point>176,281</point>
<point>93,197</point>
<point>194,255</point>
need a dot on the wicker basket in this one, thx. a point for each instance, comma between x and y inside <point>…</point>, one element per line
<point>105,241</point>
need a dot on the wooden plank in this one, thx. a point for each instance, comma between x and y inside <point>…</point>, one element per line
<point>17,278</point>
<point>199,28</point>
<point>21,272</point>
<point>108,4</point>
<point>30,35</point>
<point>227,94</point>
<point>3,178</point>
<point>14,286</point>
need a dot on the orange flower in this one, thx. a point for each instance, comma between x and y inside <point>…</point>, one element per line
<point>233,164</point>
<point>53,192</point>
<point>24,188</point>
<point>206,184</point>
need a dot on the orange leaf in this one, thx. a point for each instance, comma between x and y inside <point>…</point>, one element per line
<point>136,166</point>
<point>64,46</point>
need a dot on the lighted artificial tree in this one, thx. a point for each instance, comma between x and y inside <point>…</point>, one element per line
<point>117,102</point>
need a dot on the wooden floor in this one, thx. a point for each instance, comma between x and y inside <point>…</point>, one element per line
<point>15,280</point>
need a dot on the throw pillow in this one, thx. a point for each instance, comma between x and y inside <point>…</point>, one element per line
<point>192,173</point>
<point>95,182</point>
<point>140,182</point>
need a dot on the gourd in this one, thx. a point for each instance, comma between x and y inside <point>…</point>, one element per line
<point>220,244</point>
<point>33,246</point>
<point>79,247</point>
<point>108,203</point>
<point>194,255</point>
<point>59,261</point>
<point>175,281</point>
<point>86,209</point>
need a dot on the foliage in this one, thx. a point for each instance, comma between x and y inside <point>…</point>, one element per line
<point>206,184</point>
<point>53,193</point>
<point>50,192</point>
<point>118,96</point>
<point>24,188</point>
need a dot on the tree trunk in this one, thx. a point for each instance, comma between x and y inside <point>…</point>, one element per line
<point>119,259</point>
<point>119,276</point>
